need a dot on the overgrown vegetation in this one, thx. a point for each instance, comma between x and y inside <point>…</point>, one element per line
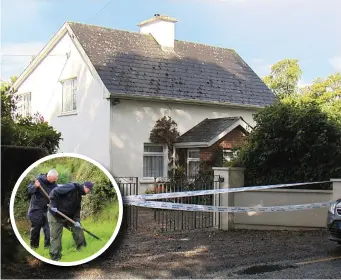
<point>23,141</point>
<point>165,132</point>
<point>103,190</point>
<point>299,138</point>
<point>30,131</point>
<point>325,92</point>
<point>291,143</point>
<point>99,212</point>
<point>70,170</point>
<point>103,226</point>
<point>284,77</point>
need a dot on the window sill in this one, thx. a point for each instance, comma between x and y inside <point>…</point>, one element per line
<point>147,181</point>
<point>71,113</point>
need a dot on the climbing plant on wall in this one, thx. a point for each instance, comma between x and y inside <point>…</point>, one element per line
<point>165,132</point>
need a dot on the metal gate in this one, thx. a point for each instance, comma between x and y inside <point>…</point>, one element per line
<point>175,220</point>
<point>128,186</point>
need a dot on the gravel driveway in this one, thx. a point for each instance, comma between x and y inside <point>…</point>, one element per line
<point>207,254</point>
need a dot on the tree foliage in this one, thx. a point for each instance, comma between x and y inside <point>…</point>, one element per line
<point>70,170</point>
<point>326,93</point>
<point>20,136</point>
<point>93,204</point>
<point>165,132</point>
<point>291,143</point>
<point>284,77</point>
<point>31,131</point>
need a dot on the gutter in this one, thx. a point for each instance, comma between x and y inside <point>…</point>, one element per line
<point>192,145</point>
<point>183,101</point>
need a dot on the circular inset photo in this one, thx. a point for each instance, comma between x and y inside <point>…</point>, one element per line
<point>66,209</point>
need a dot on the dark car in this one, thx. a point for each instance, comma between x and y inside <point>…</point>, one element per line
<point>334,221</point>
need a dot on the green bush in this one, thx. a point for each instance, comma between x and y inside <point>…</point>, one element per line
<point>21,199</point>
<point>103,189</point>
<point>30,131</point>
<point>14,162</point>
<point>291,144</point>
<point>70,170</point>
<point>24,141</point>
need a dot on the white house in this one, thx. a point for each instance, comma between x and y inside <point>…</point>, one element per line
<point>104,89</point>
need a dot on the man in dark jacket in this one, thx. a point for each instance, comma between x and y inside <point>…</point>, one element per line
<point>37,212</point>
<point>67,199</point>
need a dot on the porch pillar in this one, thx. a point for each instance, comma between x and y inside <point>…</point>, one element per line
<point>232,177</point>
<point>336,189</point>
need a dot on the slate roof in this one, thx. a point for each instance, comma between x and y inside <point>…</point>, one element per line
<point>207,130</point>
<point>130,63</point>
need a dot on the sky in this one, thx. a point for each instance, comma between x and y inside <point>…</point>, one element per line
<point>262,32</point>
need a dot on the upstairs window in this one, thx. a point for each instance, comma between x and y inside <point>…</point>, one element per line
<point>24,104</point>
<point>69,95</point>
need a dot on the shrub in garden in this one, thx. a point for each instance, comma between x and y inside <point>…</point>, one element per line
<point>291,143</point>
<point>103,189</point>
<point>14,162</point>
<point>24,141</point>
<point>21,200</point>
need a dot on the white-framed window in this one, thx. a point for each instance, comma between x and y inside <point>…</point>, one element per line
<point>24,104</point>
<point>193,162</point>
<point>69,95</point>
<point>154,160</point>
<point>228,155</point>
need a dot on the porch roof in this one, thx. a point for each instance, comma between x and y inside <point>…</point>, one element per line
<point>209,131</point>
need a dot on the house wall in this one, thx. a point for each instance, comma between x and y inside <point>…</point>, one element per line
<point>87,131</point>
<point>132,121</point>
<point>235,137</point>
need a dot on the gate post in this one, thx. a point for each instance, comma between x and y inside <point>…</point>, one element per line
<point>336,189</point>
<point>232,177</point>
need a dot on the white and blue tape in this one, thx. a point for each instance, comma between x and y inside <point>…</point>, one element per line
<point>207,192</point>
<point>144,200</point>
<point>208,208</point>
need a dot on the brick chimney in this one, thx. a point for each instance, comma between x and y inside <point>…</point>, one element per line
<point>162,28</point>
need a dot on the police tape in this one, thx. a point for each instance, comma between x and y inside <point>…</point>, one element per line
<point>144,197</point>
<point>208,208</point>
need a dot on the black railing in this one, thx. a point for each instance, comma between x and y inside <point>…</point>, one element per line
<point>128,186</point>
<point>175,220</point>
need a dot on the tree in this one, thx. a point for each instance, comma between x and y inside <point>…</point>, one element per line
<point>165,132</point>
<point>325,92</point>
<point>8,104</point>
<point>27,139</point>
<point>31,131</point>
<point>284,77</point>
<point>291,143</point>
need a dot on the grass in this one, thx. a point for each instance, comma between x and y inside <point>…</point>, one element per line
<point>103,226</point>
